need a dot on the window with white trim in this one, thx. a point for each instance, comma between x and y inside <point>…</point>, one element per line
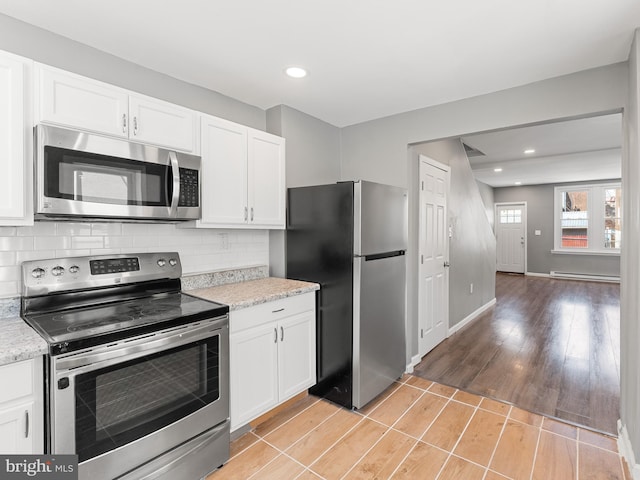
<point>588,218</point>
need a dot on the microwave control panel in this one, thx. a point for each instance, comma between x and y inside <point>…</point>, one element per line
<point>189,191</point>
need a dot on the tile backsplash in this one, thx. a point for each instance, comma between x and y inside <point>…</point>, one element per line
<point>202,250</point>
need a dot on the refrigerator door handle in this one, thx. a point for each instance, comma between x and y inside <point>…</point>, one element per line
<point>379,256</point>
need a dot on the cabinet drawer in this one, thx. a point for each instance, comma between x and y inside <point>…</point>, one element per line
<point>19,376</point>
<point>271,311</point>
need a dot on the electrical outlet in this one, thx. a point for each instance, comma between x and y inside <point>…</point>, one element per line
<point>224,241</point>
<point>471,288</point>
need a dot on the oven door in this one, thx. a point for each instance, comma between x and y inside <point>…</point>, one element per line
<point>121,405</point>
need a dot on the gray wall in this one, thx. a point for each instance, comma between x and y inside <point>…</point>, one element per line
<point>313,158</point>
<point>46,47</point>
<point>630,282</point>
<point>378,150</point>
<point>486,193</point>
<point>539,200</point>
<point>313,146</point>
<point>472,247</point>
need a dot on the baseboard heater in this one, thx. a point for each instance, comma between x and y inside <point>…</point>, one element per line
<point>585,276</point>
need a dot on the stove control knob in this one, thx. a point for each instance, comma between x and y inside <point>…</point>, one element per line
<point>74,269</point>
<point>57,271</point>
<point>37,272</point>
<point>173,262</point>
<point>162,262</point>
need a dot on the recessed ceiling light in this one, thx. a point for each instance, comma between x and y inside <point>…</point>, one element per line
<point>497,169</point>
<point>529,151</point>
<point>518,183</point>
<point>296,72</point>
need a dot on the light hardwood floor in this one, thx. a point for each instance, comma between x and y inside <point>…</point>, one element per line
<point>420,430</point>
<point>548,346</point>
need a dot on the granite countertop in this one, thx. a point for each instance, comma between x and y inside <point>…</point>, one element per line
<point>253,292</point>
<point>18,341</point>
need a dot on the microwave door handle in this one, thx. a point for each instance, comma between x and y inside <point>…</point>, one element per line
<point>173,209</point>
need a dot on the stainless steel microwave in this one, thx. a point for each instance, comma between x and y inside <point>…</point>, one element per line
<point>85,175</point>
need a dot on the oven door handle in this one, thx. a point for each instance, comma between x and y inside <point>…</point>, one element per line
<point>132,348</point>
<point>175,171</point>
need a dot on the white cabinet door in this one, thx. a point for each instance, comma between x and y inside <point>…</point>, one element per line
<point>16,429</point>
<point>75,101</point>
<point>15,142</point>
<point>72,100</point>
<point>224,173</point>
<point>21,407</point>
<point>267,186</point>
<point>161,123</point>
<point>296,354</point>
<point>254,374</point>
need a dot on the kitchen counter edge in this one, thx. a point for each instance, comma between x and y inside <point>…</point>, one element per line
<point>18,341</point>
<point>254,292</point>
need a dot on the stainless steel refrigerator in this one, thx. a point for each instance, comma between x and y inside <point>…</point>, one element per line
<point>351,238</point>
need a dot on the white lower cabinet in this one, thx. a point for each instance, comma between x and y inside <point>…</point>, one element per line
<point>272,349</point>
<point>21,408</point>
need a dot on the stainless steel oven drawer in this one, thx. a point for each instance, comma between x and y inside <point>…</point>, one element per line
<point>190,461</point>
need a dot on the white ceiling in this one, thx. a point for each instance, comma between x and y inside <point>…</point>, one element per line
<point>577,150</point>
<point>367,58</point>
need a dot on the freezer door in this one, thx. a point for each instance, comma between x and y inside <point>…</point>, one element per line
<point>378,326</point>
<point>380,213</point>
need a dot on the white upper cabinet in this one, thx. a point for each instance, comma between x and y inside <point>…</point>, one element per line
<point>267,189</point>
<point>224,173</point>
<point>16,141</point>
<point>67,99</point>
<point>243,176</point>
<point>162,123</point>
<point>75,101</point>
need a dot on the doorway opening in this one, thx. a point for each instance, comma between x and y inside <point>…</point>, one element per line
<point>525,179</point>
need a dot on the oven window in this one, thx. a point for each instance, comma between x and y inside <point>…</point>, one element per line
<point>89,177</point>
<point>122,403</point>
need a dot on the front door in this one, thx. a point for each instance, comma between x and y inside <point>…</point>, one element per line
<point>510,237</point>
<point>433,307</point>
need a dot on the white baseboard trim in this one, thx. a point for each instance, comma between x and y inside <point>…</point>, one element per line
<point>585,276</point>
<point>626,450</point>
<point>471,317</point>
<point>536,274</point>
<point>414,361</point>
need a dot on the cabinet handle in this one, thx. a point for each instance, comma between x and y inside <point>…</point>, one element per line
<point>278,310</point>
<point>246,213</point>
<point>124,123</point>
<point>252,214</point>
<point>275,335</point>
<point>26,424</point>
<point>135,125</point>
<point>282,334</point>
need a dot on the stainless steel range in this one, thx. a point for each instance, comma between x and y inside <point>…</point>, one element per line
<point>137,373</point>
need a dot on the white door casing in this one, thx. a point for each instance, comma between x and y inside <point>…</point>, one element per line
<point>433,309</point>
<point>511,238</point>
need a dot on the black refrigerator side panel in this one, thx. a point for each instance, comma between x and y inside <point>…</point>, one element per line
<point>319,246</point>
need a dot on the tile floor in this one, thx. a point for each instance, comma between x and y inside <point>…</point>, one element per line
<point>420,430</point>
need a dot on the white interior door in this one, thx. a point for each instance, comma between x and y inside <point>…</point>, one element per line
<point>433,310</point>
<point>511,221</point>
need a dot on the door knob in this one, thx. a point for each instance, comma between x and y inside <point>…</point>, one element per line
<point>447,264</point>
